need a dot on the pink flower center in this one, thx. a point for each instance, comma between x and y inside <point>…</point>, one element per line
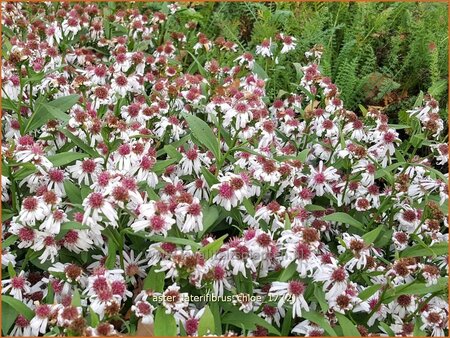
<point>226,191</point>
<point>195,209</point>
<point>88,166</point>
<point>96,200</point>
<point>30,203</point>
<point>296,288</point>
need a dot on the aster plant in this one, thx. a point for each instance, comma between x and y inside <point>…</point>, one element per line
<point>149,180</point>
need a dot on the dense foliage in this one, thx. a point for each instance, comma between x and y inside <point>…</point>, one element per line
<point>183,170</point>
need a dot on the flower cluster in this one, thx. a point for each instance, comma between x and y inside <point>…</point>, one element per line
<point>143,165</point>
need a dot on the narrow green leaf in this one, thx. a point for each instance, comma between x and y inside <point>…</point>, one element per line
<point>320,320</point>
<point>80,143</point>
<point>348,328</point>
<point>419,251</point>
<point>206,324</point>
<point>165,324</point>
<point>342,217</point>
<point>154,280</point>
<point>9,241</point>
<point>371,236</point>
<point>320,296</point>
<point>210,249</point>
<point>18,306</point>
<point>248,320</point>
<point>289,272</point>
<point>73,192</point>
<point>203,133</point>
<point>367,293</point>
<point>175,240</point>
<point>61,159</point>
<point>210,215</point>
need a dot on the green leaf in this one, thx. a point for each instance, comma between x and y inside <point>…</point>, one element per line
<point>320,296</point>
<point>9,315</point>
<point>371,236</point>
<point>313,207</point>
<point>93,317</point>
<point>11,271</point>
<point>175,240</point>
<point>214,307</point>
<point>45,111</point>
<point>348,328</point>
<point>415,288</point>
<point>160,166</point>
<point>73,225</point>
<point>419,250</point>
<point>258,70</point>
<point>8,104</point>
<point>248,321</point>
<point>18,306</point>
<point>367,293</point>
<point>154,280</point>
<point>80,143</point>
<point>210,178</point>
<point>76,299</point>
<point>387,329</point>
<point>419,100</point>
<point>249,206</point>
<point>173,152</point>
<point>303,155</point>
<point>9,241</point>
<point>417,331</point>
<point>203,133</point>
<point>320,320</point>
<point>73,192</point>
<point>210,249</point>
<point>206,324</point>
<point>165,324</point>
<point>201,69</point>
<point>286,327</point>
<point>210,215</point>
<point>112,254</point>
<point>61,159</point>
<point>289,272</point>
<point>342,217</point>
<point>7,214</point>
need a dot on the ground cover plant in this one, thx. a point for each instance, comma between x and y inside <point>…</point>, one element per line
<point>161,178</point>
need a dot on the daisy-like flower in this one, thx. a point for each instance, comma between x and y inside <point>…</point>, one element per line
<point>39,322</point>
<point>190,162</point>
<point>85,171</point>
<point>47,242</point>
<point>219,276</point>
<point>173,300</point>
<point>434,319</point>
<point>265,48</point>
<point>122,84</point>
<point>334,278</point>
<point>33,209</point>
<point>16,286</point>
<point>144,310</point>
<point>53,222</point>
<point>189,216</point>
<point>291,292</point>
<point>288,43</point>
<point>95,203</point>
<point>226,196</point>
<point>156,223</point>
<point>191,320</point>
<point>198,188</point>
<point>134,266</point>
<point>320,179</point>
<point>21,326</point>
